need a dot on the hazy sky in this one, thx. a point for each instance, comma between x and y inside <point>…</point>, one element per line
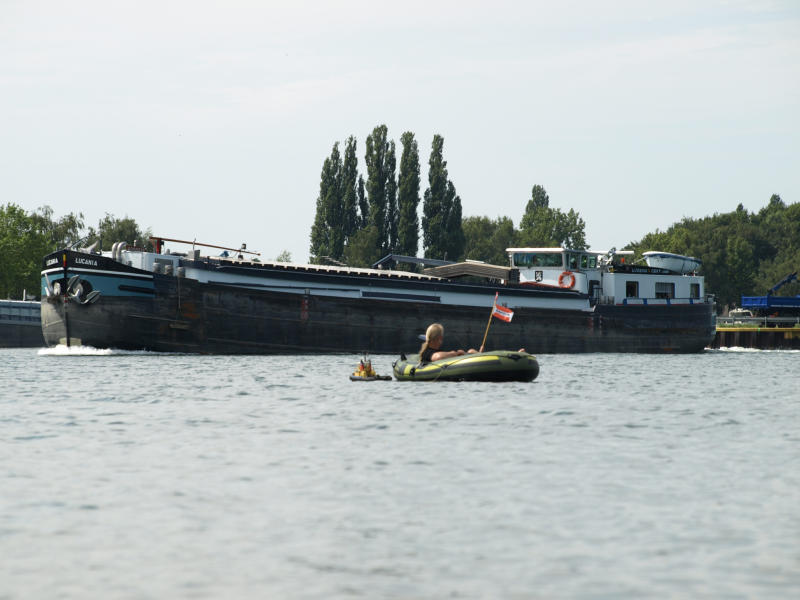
<point>211,120</point>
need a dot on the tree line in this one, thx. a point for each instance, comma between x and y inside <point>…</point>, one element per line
<point>743,253</point>
<point>358,221</point>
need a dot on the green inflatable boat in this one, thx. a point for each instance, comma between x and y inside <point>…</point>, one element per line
<point>501,365</point>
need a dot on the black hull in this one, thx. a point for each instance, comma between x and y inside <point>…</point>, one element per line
<point>13,335</point>
<point>184,315</point>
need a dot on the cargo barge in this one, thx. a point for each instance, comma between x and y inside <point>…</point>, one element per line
<point>563,301</point>
<point>20,324</point>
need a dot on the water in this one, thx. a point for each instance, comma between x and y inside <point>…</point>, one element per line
<point>136,475</point>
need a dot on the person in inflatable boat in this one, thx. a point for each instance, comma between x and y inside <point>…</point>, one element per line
<point>431,347</point>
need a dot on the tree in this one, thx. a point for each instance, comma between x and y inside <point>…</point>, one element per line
<point>453,229</point>
<point>487,239</point>
<point>327,235</point>
<point>740,266</point>
<point>362,249</point>
<point>334,207</point>
<point>363,204</point>
<point>542,226</point>
<point>392,214</point>
<point>408,197</point>
<point>25,239</point>
<point>381,186</point>
<point>284,256</point>
<point>111,230</point>
<point>441,209</point>
<point>61,233</point>
<point>350,219</point>
<point>539,199</point>
<point>319,231</point>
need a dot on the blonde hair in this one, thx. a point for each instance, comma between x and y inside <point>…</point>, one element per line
<point>434,331</point>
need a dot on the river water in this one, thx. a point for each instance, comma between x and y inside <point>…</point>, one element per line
<point>141,475</point>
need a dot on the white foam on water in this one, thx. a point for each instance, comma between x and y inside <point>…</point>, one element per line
<point>743,349</point>
<point>64,350</point>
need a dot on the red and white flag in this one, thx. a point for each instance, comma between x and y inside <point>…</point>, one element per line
<point>502,312</point>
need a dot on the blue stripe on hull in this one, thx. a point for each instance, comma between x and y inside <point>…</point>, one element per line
<point>110,285</point>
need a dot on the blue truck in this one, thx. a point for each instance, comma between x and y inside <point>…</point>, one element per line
<point>772,305</point>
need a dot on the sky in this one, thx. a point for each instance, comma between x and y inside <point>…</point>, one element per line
<point>210,120</point>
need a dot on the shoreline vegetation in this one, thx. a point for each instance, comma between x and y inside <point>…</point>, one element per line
<point>358,221</point>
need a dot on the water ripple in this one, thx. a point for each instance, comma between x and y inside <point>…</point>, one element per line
<point>146,475</point>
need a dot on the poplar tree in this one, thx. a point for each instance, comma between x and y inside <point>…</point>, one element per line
<point>453,229</point>
<point>392,214</point>
<point>545,226</point>
<point>334,208</point>
<point>363,205</point>
<point>408,197</point>
<point>432,217</point>
<point>350,219</point>
<point>319,231</point>
<point>327,236</point>
<point>442,232</point>
<point>381,187</point>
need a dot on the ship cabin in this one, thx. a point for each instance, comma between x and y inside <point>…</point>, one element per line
<point>606,277</point>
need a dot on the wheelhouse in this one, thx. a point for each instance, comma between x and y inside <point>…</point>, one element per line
<point>607,277</point>
<point>578,270</point>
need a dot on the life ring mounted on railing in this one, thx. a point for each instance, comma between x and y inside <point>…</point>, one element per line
<point>566,279</point>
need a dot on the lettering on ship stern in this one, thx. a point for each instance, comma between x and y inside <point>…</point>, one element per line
<point>89,262</point>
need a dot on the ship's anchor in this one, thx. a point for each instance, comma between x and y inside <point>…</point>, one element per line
<point>77,290</point>
<point>81,291</point>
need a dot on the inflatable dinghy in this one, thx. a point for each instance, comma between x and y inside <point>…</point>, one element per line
<point>500,365</point>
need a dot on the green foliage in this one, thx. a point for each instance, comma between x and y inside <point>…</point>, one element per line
<point>542,226</point>
<point>23,243</point>
<point>319,232</point>
<point>453,230</point>
<point>347,203</point>
<point>362,249</point>
<point>442,235</point>
<point>392,213</point>
<point>284,256</point>
<point>350,222</point>
<point>487,239</point>
<point>539,199</point>
<point>327,233</point>
<point>408,198</point>
<point>743,254</point>
<point>381,187</point>
<point>26,238</point>
<point>111,230</point>
<point>363,204</point>
<point>61,232</point>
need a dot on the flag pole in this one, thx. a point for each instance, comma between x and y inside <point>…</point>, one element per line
<point>491,313</point>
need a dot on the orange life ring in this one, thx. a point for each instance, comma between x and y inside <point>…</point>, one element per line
<point>566,279</point>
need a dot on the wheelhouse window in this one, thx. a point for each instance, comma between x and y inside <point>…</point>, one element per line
<point>631,289</point>
<point>537,259</point>
<point>572,261</point>
<point>665,290</point>
<point>588,261</point>
<point>694,290</point>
